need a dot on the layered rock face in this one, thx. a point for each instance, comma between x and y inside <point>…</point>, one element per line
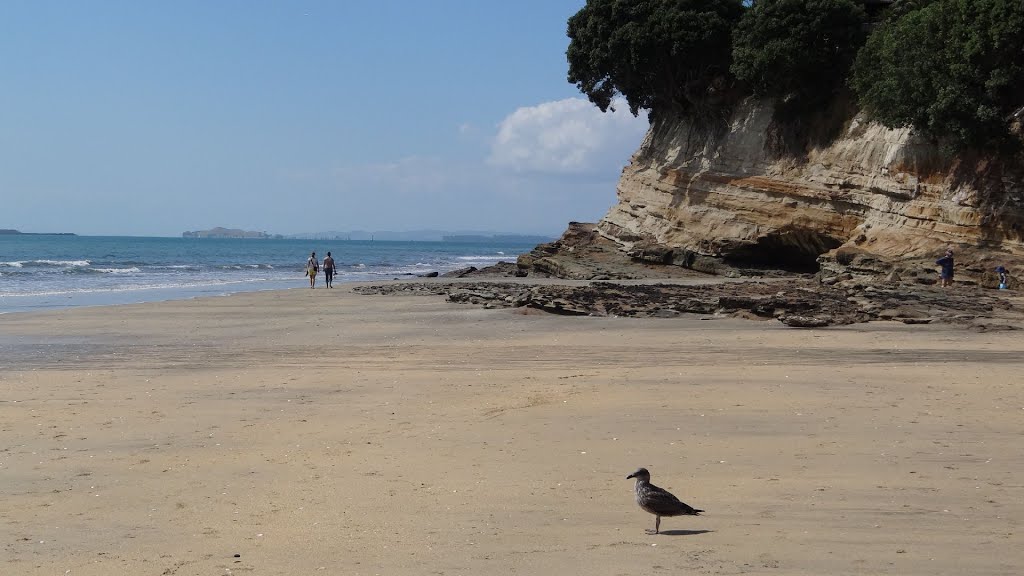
<point>871,195</point>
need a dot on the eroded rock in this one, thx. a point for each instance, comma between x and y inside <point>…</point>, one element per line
<point>798,302</point>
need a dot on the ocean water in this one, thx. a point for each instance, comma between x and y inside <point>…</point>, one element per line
<point>47,272</point>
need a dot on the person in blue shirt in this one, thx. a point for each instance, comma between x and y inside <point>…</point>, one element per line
<point>946,274</point>
<point>1004,277</point>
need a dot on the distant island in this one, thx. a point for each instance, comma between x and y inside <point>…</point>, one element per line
<point>219,232</point>
<point>423,236</point>
<point>525,238</point>
<point>8,232</point>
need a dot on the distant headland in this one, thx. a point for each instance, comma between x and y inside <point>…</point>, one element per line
<point>525,238</point>
<point>8,232</point>
<point>407,236</point>
<point>423,236</point>
<point>219,232</point>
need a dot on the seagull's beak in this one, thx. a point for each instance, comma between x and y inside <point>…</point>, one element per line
<point>630,476</point>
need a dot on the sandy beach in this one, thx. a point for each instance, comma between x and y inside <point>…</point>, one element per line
<point>324,432</point>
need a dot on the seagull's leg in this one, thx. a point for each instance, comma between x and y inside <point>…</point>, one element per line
<point>657,525</point>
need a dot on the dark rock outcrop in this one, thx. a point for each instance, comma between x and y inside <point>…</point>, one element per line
<point>582,253</point>
<point>797,303</point>
<point>460,272</point>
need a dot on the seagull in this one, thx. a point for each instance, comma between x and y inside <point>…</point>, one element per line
<point>658,501</point>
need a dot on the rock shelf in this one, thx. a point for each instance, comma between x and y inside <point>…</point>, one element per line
<point>798,303</point>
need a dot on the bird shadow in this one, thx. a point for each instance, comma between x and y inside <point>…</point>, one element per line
<point>684,532</point>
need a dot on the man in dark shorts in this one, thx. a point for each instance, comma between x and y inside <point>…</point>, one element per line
<point>329,269</point>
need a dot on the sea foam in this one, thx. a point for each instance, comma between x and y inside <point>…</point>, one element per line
<point>64,263</point>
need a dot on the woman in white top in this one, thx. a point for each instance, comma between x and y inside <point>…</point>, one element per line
<point>312,267</point>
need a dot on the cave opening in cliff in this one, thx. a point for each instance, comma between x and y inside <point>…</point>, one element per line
<point>792,250</point>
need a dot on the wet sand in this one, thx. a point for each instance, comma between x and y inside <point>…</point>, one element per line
<point>322,432</point>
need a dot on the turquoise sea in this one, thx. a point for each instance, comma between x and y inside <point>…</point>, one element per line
<point>46,272</point>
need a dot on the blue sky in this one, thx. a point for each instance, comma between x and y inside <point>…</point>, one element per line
<point>150,118</point>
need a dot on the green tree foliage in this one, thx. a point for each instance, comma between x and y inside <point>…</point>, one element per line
<point>801,48</point>
<point>902,7</point>
<point>953,69</point>
<point>659,54</point>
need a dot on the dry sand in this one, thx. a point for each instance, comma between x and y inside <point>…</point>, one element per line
<point>321,432</point>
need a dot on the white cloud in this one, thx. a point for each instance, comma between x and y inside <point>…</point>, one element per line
<point>569,136</point>
<point>414,175</point>
<point>545,165</point>
<point>451,193</point>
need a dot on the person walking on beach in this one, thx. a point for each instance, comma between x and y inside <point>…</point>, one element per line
<point>329,269</point>
<point>946,274</point>
<point>312,267</point>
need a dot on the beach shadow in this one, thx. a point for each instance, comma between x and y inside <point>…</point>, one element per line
<point>684,532</point>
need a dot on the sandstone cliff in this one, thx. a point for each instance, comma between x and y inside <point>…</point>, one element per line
<point>868,200</point>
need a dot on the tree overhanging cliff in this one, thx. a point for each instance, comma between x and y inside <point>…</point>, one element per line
<point>951,69</point>
<point>806,137</point>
